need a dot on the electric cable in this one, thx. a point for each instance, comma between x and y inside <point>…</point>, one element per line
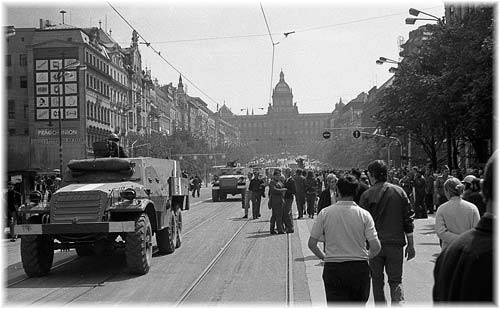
<point>148,44</point>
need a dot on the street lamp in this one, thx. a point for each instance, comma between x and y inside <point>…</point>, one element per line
<point>382,60</point>
<point>415,12</point>
<point>59,76</point>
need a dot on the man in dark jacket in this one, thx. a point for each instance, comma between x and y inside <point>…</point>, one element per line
<point>362,186</point>
<point>300,192</point>
<point>329,195</point>
<point>390,208</point>
<point>464,270</point>
<point>256,186</point>
<point>288,197</point>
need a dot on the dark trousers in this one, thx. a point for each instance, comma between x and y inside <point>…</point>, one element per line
<point>256,198</point>
<point>301,201</point>
<point>287,215</point>
<point>277,216</point>
<point>310,200</point>
<point>420,207</point>
<point>347,281</point>
<point>389,258</point>
<point>429,203</point>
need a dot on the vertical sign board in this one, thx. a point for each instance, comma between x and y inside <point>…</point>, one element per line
<point>56,92</point>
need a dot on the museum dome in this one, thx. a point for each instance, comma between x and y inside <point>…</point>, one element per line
<point>282,86</point>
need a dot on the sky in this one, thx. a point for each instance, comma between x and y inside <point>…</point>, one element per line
<point>224,51</point>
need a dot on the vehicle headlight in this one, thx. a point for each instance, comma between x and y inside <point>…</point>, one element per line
<point>128,194</point>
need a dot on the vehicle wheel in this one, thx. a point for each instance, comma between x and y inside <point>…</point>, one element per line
<point>215,196</point>
<point>139,246</point>
<point>223,196</point>
<point>37,254</point>
<point>179,230</point>
<point>166,238</point>
<point>85,250</point>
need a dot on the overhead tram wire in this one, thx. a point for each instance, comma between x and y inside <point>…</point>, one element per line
<point>297,31</point>
<point>148,44</point>
<point>272,62</point>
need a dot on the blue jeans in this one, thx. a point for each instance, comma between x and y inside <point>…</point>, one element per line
<point>390,258</point>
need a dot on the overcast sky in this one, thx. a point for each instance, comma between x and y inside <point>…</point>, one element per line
<point>224,49</point>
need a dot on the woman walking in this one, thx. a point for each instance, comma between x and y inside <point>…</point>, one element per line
<point>311,193</point>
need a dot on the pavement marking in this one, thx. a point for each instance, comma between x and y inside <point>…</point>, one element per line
<point>314,267</point>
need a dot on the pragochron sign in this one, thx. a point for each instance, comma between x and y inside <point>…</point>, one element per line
<point>49,132</point>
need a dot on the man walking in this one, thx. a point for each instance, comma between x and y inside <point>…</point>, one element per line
<point>390,208</point>
<point>345,228</point>
<point>288,198</point>
<point>276,192</point>
<point>300,192</point>
<point>256,187</point>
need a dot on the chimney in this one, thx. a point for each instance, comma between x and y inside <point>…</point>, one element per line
<point>42,24</point>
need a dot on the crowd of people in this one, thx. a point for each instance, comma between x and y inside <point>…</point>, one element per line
<point>366,220</point>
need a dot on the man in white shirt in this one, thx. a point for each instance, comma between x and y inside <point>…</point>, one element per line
<point>345,228</point>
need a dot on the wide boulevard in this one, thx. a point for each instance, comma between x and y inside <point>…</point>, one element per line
<point>224,259</point>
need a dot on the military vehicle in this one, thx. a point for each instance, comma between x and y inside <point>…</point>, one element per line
<point>230,179</point>
<point>106,204</point>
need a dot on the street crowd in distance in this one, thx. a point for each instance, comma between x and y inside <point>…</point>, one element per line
<point>365,221</point>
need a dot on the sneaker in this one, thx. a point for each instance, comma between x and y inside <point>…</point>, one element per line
<point>13,239</point>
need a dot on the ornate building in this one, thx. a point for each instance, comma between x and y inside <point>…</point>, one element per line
<point>283,128</point>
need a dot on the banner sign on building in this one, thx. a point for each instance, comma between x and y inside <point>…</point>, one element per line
<point>56,89</point>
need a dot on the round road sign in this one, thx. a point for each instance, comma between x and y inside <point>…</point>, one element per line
<point>327,134</point>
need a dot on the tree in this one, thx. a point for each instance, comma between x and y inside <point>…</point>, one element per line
<point>444,91</point>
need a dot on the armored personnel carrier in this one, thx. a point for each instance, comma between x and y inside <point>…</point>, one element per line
<point>230,179</point>
<point>106,204</point>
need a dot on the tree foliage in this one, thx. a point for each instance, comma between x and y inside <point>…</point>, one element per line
<point>444,91</point>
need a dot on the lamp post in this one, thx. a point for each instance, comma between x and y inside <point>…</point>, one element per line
<point>415,12</point>
<point>60,81</point>
<point>383,60</point>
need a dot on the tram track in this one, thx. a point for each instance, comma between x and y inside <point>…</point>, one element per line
<point>212,215</point>
<point>289,285</point>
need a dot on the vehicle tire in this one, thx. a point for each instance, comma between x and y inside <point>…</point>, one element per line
<point>223,196</point>
<point>85,250</point>
<point>37,254</point>
<point>178,243</point>
<point>166,238</point>
<point>139,246</point>
<point>215,196</point>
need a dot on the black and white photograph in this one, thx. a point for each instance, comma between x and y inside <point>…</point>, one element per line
<point>246,153</point>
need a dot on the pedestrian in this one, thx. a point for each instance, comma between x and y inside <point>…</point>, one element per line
<point>288,200</point>
<point>472,193</point>
<point>13,203</point>
<point>456,215</point>
<point>441,179</point>
<point>429,190</point>
<point>276,192</point>
<point>311,193</point>
<point>464,270</point>
<point>390,208</point>
<point>247,197</point>
<point>256,188</point>
<point>329,195</point>
<point>362,186</point>
<point>196,186</point>
<point>300,192</point>
<point>345,229</point>
<point>419,194</point>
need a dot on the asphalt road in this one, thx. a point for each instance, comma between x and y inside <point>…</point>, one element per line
<point>252,269</point>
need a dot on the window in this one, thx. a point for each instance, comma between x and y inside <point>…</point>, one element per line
<point>12,109</point>
<point>9,60</point>
<point>23,60</point>
<point>25,111</point>
<point>9,82</point>
<point>23,82</point>
<point>12,132</point>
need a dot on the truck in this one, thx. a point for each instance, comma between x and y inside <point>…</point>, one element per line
<point>106,204</point>
<point>230,179</point>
